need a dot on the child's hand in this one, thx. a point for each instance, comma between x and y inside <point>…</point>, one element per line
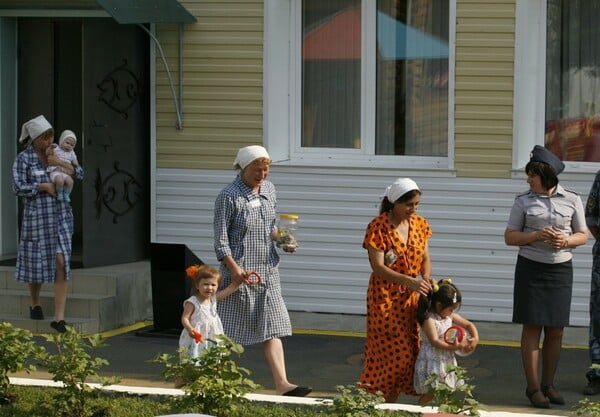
<point>468,345</point>
<point>197,336</point>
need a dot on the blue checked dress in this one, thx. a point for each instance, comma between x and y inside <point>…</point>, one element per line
<point>47,225</point>
<point>243,223</point>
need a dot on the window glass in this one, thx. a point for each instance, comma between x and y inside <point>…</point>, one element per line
<point>412,77</point>
<point>572,128</point>
<point>409,112</point>
<point>331,59</point>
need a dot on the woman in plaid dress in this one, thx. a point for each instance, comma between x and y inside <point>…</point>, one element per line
<point>245,232</point>
<point>44,252</point>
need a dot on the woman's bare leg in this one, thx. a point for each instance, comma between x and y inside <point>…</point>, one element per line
<point>60,288</point>
<point>273,349</point>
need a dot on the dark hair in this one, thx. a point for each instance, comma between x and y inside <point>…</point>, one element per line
<point>387,205</point>
<point>545,171</point>
<point>446,294</point>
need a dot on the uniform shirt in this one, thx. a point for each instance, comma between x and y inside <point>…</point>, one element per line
<point>563,211</point>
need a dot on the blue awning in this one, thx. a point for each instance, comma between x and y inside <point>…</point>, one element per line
<point>397,41</point>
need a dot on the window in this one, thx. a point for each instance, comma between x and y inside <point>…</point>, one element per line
<point>372,79</point>
<point>572,122</point>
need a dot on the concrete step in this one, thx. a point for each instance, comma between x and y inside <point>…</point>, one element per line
<point>99,299</point>
<point>82,281</point>
<point>83,325</point>
<point>78,305</point>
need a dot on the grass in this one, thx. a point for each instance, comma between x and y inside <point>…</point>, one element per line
<point>29,401</point>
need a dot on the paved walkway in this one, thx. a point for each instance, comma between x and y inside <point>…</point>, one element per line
<point>326,358</point>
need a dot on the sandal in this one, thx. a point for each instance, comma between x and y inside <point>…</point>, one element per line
<point>552,394</point>
<point>537,404</point>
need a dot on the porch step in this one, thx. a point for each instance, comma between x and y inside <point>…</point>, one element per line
<point>82,325</point>
<point>99,299</point>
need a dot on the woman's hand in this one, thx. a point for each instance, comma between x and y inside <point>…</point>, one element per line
<point>238,277</point>
<point>558,240</point>
<point>421,285</point>
<point>48,187</point>
<point>289,248</point>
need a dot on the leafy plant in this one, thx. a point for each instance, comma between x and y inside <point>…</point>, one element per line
<point>213,383</point>
<point>454,400</point>
<point>73,365</point>
<point>586,407</point>
<point>16,346</point>
<point>355,401</point>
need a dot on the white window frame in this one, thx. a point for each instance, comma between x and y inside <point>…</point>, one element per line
<point>530,86</point>
<point>282,96</point>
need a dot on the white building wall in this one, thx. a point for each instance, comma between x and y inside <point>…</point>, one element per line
<point>330,272</point>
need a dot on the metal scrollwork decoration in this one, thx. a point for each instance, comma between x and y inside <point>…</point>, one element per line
<point>119,192</point>
<point>119,89</point>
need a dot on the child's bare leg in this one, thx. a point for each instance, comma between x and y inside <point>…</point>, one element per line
<point>68,188</point>
<point>59,182</point>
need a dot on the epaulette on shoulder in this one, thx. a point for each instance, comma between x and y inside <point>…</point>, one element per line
<point>571,191</point>
<point>523,193</point>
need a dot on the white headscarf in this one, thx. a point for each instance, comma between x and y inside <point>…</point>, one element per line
<point>248,154</point>
<point>34,128</point>
<point>398,188</point>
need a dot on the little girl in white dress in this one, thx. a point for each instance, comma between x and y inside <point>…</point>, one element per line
<point>201,323</point>
<point>436,314</point>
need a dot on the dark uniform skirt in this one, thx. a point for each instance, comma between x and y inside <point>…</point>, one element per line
<point>542,293</point>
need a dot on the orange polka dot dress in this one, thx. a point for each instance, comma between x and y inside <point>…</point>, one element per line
<point>392,342</point>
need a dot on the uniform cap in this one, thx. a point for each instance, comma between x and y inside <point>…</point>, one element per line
<point>541,154</point>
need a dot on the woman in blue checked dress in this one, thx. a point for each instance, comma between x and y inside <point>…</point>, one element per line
<point>245,232</point>
<point>44,252</point>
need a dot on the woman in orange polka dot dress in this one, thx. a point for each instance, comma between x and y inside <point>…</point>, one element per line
<point>396,242</point>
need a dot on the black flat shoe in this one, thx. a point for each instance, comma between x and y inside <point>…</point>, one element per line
<point>59,326</point>
<point>36,313</point>
<point>553,395</point>
<point>537,404</point>
<point>298,392</point>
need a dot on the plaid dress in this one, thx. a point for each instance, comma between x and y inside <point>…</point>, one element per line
<point>243,223</point>
<point>47,225</point>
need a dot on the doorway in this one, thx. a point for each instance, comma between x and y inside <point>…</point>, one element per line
<point>91,76</point>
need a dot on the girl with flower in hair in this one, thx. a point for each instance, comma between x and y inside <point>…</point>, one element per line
<point>201,323</point>
<point>436,313</point>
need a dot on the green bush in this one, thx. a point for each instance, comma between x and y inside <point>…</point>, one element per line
<point>213,383</point>
<point>16,347</point>
<point>353,401</point>
<point>73,365</point>
<point>458,400</point>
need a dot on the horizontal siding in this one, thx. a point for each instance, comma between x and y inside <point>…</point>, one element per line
<point>222,93</point>
<point>330,272</point>
<point>484,66</point>
<point>46,4</point>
